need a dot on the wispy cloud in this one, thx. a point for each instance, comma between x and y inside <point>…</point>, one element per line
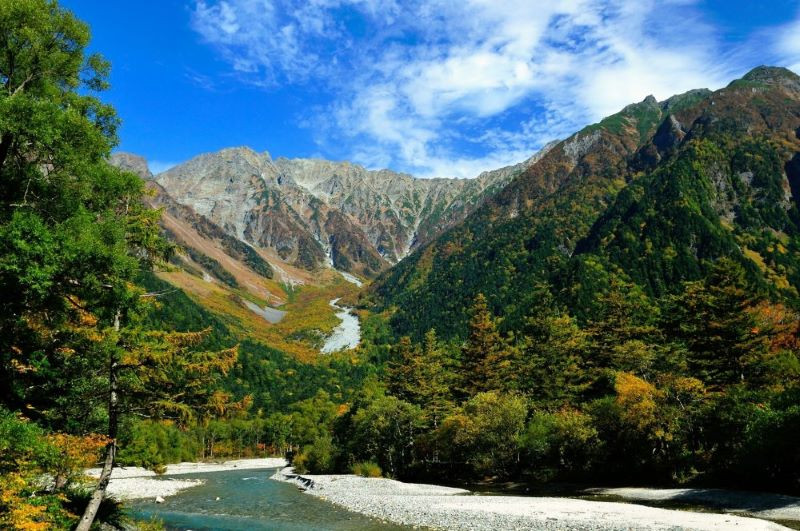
<point>201,80</point>
<point>160,166</point>
<point>445,88</point>
<point>789,44</point>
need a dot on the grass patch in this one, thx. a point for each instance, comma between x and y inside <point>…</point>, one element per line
<point>367,469</point>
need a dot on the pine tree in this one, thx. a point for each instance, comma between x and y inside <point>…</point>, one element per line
<point>420,376</point>
<point>434,393</point>
<point>486,356</point>
<point>401,377</point>
<point>552,361</point>
<point>625,332</point>
<point>714,318</point>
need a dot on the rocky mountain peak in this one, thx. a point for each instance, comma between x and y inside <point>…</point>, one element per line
<point>311,210</point>
<point>133,163</point>
<point>771,75</point>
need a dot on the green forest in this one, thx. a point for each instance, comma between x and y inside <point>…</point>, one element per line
<point>637,325</point>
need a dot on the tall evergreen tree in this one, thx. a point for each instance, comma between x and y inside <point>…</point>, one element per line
<point>486,356</point>
<point>624,329</point>
<point>714,318</point>
<point>400,375</point>
<point>434,395</point>
<point>420,375</point>
<point>551,366</point>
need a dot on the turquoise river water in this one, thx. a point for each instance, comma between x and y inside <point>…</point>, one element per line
<point>249,500</point>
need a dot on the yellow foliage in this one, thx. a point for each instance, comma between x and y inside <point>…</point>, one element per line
<point>219,402</point>
<point>638,400</point>
<point>23,511</point>
<point>755,257</point>
<point>307,309</point>
<point>76,453</point>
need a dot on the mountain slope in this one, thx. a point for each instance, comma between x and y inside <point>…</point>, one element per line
<point>652,194</point>
<point>313,211</point>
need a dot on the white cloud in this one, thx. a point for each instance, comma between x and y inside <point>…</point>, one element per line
<point>789,45</point>
<point>410,90</point>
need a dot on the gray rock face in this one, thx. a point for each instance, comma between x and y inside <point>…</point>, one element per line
<point>132,163</point>
<point>311,210</point>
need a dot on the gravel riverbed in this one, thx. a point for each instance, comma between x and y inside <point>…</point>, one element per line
<point>450,508</point>
<point>761,504</point>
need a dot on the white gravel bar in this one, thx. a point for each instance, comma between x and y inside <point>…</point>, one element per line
<point>129,483</point>
<point>345,336</point>
<point>448,508</point>
<point>761,504</point>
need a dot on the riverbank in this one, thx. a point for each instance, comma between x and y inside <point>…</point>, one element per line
<point>760,504</point>
<point>130,483</point>
<point>452,508</point>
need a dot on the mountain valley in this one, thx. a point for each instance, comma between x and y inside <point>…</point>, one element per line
<point>621,309</point>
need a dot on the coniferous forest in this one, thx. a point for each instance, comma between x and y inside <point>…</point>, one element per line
<point>623,312</point>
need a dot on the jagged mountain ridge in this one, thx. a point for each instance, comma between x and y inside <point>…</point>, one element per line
<point>312,211</point>
<point>652,195</point>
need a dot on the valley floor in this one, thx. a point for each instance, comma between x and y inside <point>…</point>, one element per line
<point>451,508</point>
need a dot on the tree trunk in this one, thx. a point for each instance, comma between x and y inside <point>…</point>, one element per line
<point>99,493</point>
<point>5,147</point>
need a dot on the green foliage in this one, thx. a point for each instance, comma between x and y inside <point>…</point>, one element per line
<point>173,310</point>
<point>485,357</point>
<point>213,267</point>
<point>75,234</point>
<point>485,434</point>
<point>26,454</point>
<point>712,320</point>
<point>243,251</point>
<point>152,444</point>
<point>564,442</point>
<point>318,457</point>
<point>386,431</point>
<point>551,362</point>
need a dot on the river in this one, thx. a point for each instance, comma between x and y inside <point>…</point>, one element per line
<point>250,501</point>
<point>347,334</point>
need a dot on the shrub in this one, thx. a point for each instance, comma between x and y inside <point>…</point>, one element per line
<point>152,444</point>
<point>367,469</point>
<point>486,433</point>
<point>385,432</point>
<point>300,463</point>
<point>316,458</point>
<point>564,441</point>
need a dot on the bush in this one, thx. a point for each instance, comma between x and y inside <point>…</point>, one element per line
<point>25,456</point>
<point>316,458</point>
<point>385,432</point>
<point>152,444</point>
<point>486,433</point>
<point>367,469</point>
<point>300,463</point>
<point>564,441</point>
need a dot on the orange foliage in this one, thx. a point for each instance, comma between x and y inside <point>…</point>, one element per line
<point>778,323</point>
<point>75,453</point>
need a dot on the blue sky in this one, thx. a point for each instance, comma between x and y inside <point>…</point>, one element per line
<point>434,88</point>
